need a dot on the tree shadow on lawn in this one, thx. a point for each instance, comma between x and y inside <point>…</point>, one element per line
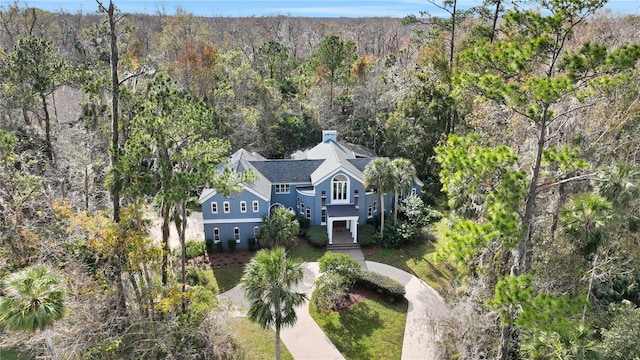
<point>354,324</point>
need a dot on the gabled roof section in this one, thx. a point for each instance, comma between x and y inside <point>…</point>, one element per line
<point>360,151</point>
<point>206,195</point>
<point>337,156</point>
<point>287,171</point>
<point>240,161</point>
<point>360,163</point>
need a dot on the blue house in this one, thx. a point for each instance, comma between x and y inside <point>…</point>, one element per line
<point>325,184</point>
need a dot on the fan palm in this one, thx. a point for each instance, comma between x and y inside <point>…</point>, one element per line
<point>621,186</point>
<point>280,228</point>
<point>33,301</point>
<point>586,221</point>
<point>380,173</point>
<point>405,175</point>
<point>267,282</point>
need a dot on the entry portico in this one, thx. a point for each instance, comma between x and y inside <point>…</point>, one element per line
<point>348,214</point>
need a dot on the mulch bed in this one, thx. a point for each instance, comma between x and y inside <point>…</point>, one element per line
<point>359,293</point>
<point>239,257</point>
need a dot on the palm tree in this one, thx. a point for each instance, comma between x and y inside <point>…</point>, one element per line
<point>267,283</point>
<point>621,186</point>
<point>380,173</point>
<point>33,301</point>
<point>586,221</point>
<point>405,177</point>
<point>280,228</point>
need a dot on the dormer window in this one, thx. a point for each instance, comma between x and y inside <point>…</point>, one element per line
<point>340,189</point>
<point>282,188</point>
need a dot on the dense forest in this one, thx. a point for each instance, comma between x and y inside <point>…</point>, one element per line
<point>523,123</point>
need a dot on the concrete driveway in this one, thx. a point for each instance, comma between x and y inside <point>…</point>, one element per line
<point>306,341</point>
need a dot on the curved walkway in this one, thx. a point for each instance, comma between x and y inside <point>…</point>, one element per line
<point>306,341</point>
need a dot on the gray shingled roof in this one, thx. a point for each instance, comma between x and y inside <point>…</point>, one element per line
<point>240,162</point>
<point>341,210</point>
<point>360,163</point>
<point>336,156</point>
<point>287,171</point>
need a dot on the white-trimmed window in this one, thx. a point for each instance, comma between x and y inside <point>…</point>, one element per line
<point>323,201</point>
<point>375,206</point>
<point>256,206</point>
<point>413,191</point>
<point>236,234</point>
<point>356,201</point>
<point>308,213</point>
<point>256,232</point>
<point>226,206</point>
<point>301,207</point>
<point>323,216</point>
<point>340,188</point>
<point>370,212</point>
<point>216,235</point>
<point>282,188</point>
<point>214,207</point>
<point>243,207</point>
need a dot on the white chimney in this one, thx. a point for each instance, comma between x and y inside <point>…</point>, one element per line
<point>329,135</point>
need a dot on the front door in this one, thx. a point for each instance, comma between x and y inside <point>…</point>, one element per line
<point>340,224</point>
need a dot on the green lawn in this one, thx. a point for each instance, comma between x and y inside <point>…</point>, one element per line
<point>13,354</point>
<point>305,252</point>
<point>417,260</point>
<point>368,330</point>
<point>256,342</point>
<point>229,275</point>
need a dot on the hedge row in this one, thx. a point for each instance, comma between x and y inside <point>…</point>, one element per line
<point>382,284</point>
<point>317,236</point>
<point>367,235</point>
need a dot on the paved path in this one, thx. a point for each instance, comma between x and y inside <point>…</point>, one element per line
<point>306,341</point>
<point>426,308</point>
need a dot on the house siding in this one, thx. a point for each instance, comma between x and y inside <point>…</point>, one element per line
<point>310,175</point>
<point>227,222</point>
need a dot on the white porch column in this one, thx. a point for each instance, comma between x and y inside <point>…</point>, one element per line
<point>354,231</point>
<point>330,230</point>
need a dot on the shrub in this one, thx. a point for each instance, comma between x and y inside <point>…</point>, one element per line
<point>231,245</point>
<point>395,236</point>
<point>195,277</point>
<point>304,222</point>
<point>194,248</point>
<point>317,236</point>
<point>210,245</point>
<point>219,247</point>
<point>413,210</point>
<point>253,243</point>
<point>201,302</point>
<point>331,293</point>
<point>367,235</point>
<point>376,220</point>
<point>341,264</point>
<point>432,215</point>
<point>384,285</point>
<point>620,341</point>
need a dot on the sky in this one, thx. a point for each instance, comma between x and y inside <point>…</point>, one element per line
<point>305,8</point>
